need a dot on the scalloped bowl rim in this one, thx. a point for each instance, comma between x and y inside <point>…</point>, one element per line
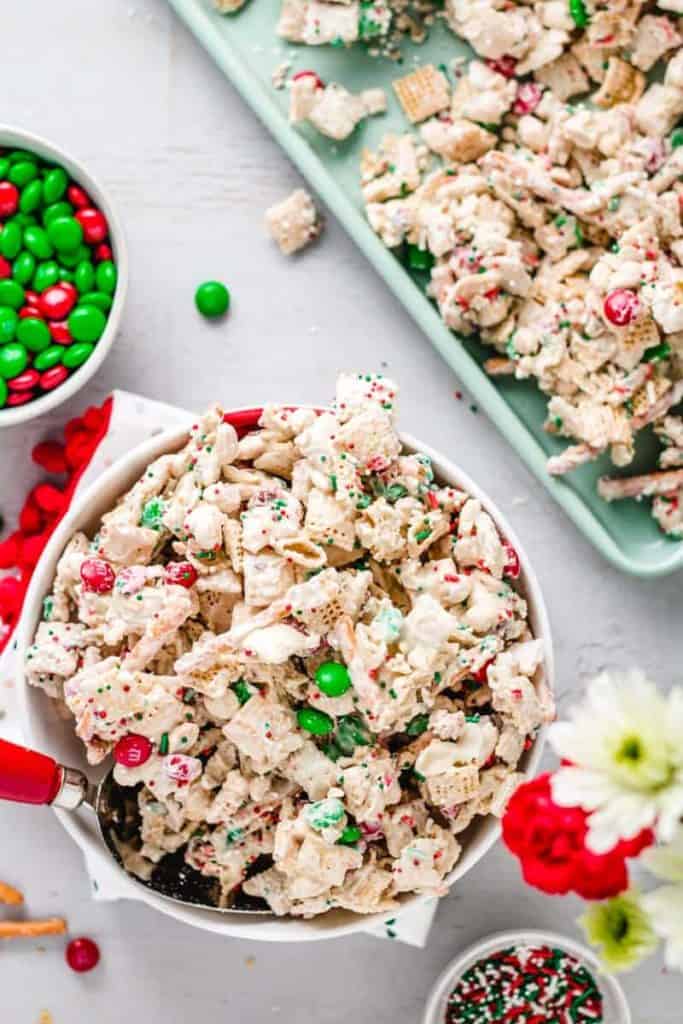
<point>41,725</point>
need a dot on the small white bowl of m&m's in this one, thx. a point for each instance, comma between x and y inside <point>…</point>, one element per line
<point>63,276</point>
<point>526,977</point>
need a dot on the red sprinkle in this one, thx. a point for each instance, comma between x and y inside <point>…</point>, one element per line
<point>528,97</point>
<point>481,674</point>
<point>512,567</point>
<point>82,955</point>
<point>319,84</point>
<point>505,65</point>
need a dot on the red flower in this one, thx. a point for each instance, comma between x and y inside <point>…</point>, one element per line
<point>550,842</point>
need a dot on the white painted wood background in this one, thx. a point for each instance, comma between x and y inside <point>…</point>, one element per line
<point>122,85</point>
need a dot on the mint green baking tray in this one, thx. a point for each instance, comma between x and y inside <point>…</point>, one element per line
<point>246,48</point>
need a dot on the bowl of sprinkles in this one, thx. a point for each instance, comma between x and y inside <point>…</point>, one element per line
<point>526,977</point>
<point>63,276</point>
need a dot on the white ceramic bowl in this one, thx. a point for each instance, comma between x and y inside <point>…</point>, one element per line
<point>17,138</point>
<point>46,731</point>
<point>615,1007</point>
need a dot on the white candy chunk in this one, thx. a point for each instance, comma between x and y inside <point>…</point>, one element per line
<point>294,222</point>
<point>428,624</point>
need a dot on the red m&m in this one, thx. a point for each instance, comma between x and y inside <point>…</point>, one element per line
<point>132,750</point>
<point>622,307</point>
<point>97,576</point>
<point>82,955</point>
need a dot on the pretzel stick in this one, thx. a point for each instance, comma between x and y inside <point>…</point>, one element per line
<point>613,488</point>
<point>10,895</point>
<point>499,367</point>
<point>670,458</point>
<point>570,458</point>
<point>628,385</point>
<point>32,929</point>
<point>660,407</point>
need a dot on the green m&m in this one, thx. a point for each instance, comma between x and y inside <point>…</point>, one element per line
<point>212,299</point>
<point>49,357</point>
<point>65,233</point>
<point>333,679</point>
<point>87,323</point>
<point>76,355</point>
<point>8,324</point>
<point>314,721</point>
<point>11,294</point>
<point>23,268</point>
<point>55,184</point>
<point>10,240</point>
<point>34,334</point>
<point>13,360</point>
<point>47,274</point>
<point>105,277</point>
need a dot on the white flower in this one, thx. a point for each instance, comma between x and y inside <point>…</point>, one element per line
<point>666,862</point>
<point>665,905</point>
<point>625,743</point>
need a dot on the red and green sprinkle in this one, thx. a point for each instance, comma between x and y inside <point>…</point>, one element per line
<point>526,985</point>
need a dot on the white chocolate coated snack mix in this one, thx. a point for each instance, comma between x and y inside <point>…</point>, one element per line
<point>544,199</point>
<point>310,655</point>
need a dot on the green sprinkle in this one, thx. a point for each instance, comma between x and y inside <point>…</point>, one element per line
<point>242,691</point>
<point>394,492</point>
<point>657,353</point>
<point>350,835</point>
<point>419,259</point>
<point>417,725</point>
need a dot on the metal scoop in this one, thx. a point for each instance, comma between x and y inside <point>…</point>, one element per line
<point>28,777</point>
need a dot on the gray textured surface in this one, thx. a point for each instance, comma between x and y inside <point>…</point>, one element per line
<point>124,87</point>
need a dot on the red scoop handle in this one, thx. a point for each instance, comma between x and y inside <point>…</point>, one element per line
<point>26,776</point>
